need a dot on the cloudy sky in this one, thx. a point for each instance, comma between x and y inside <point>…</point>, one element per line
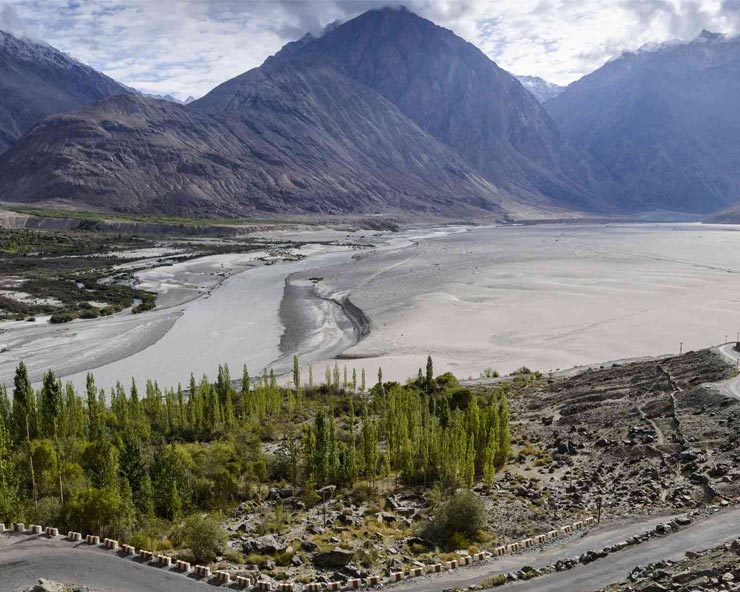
<point>185,47</point>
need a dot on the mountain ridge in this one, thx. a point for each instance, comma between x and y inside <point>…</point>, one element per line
<point>663,120</point>
<point>37,80</point>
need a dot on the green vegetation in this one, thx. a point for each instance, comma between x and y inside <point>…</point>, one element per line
<point>76,274</point>
<point>129,465</point>
<point>457,522</point>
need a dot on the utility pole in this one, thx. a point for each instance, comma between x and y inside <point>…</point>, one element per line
<point>680,349</point>
<point>598,510</point>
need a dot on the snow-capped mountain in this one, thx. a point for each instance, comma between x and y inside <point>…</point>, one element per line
<point>37,80</point>
<point>542,90</point>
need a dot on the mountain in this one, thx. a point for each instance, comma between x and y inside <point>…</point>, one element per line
<point>664,121</point>
<point>453,91</point>
<point>387,112</point>
<point>542,90</point>
<point>37,80</point>
<point>311,143</point>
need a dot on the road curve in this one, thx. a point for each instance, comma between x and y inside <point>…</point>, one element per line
<point>24,559</point>
<point>707,532</point>
<point>730,387</point>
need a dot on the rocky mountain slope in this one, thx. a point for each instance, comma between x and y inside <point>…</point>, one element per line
<point>457,94</point>
<point>339,124</point>
<point>664,121</point>
<point>542,90</point>
<point>300,149</point>
<point>37,80</point>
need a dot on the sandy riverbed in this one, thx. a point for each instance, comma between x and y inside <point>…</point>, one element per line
<point>547,297</point>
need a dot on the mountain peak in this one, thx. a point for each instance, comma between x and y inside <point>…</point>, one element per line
<point>709,36</point>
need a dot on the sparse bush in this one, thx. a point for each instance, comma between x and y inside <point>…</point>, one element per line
<point>62,317</point>
<point>205,537</point>
<point>457,521</point>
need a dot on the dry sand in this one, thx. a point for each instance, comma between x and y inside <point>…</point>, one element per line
<point>547,297</point>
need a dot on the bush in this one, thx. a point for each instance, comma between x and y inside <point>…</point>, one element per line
<point>205,537</point>
<point>90,313</point>
<point>62,317</point>
<point>457,521</point>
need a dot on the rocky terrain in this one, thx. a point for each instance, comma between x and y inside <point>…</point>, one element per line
<point>640,439</point>
<point>713,569</point>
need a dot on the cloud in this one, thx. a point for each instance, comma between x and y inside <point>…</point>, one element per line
<point>12,23</point>
<point>186,47</point>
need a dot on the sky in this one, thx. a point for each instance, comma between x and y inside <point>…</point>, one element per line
<point>186,47</point>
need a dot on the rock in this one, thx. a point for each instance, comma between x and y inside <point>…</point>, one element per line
<point>415,540</point>
<point>296,561</point>
<point>334,559</point>
<point>385,517</point>
<point>267,564</point>
<point>267,545</point>
<point>50,586</point>
<point>309,546</point>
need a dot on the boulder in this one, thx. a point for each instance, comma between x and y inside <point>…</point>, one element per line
<point>335,559</point>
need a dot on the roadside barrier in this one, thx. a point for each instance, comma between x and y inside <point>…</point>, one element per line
<point>111,544</point>
<point>202,571</point>
<point>224,577</point>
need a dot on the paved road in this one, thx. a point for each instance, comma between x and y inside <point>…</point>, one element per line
<point>24,559</point>
<point>708,532</point>
<point>730,387</point>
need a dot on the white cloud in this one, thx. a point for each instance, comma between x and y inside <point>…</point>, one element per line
<point>186,47</point>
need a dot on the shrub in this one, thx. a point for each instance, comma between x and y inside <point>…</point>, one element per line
<point>62,317</point>
<point>89,313</point>
<point>457,521</point>
<point>205,537</point>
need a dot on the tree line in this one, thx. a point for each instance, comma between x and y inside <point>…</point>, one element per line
<point>120,463</point>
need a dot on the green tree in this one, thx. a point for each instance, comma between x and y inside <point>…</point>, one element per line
<point>205,537</point>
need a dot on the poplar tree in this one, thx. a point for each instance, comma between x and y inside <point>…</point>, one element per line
<point>430,375</point>
<point>296,373</point>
